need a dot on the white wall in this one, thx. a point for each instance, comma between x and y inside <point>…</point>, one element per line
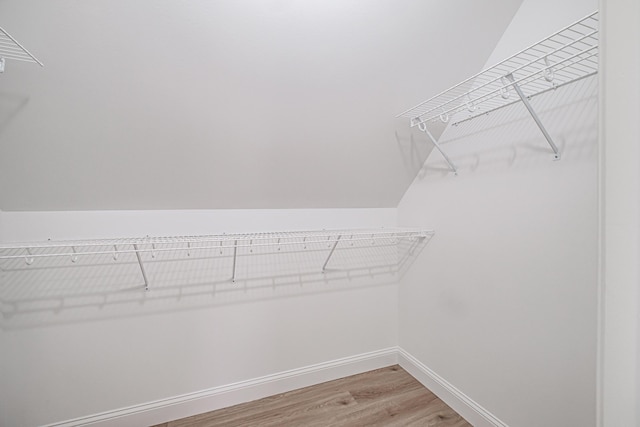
<point>620,106</point>
<point>87,338</point>
<point>502,302</point>
<point>224,104</point>
<point>36,226</point>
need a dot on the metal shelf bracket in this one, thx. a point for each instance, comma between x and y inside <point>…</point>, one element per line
<point>235,258</point>
<point>333,248</point>
<point>144,274</point>
<point>534,115</point>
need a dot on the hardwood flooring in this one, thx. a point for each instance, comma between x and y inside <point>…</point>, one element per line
<point>384,397</point>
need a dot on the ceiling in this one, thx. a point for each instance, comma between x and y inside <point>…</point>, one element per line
<point>169,104</point>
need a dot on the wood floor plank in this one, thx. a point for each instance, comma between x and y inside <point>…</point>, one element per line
<point>272,413</point>
<point>387,397</point>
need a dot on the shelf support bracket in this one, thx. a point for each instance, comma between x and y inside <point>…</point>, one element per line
<point>235,256</point>
<point>144,274</point>
<point>423,127</point>
<point>534,115</point>
<point>324,266</point>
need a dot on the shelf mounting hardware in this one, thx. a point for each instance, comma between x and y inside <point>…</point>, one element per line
<point>144,274</point>
<point>324,266</point>
<point>28,259</point>
<point>235,256</point>
<point>534,115</point>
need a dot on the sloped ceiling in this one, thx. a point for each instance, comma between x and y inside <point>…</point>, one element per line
<point>202,104</point>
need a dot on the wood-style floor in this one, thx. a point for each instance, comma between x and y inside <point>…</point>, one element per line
<point>384,397</point>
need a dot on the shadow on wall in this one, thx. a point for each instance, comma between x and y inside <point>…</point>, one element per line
<point>414,145</point>
<point>501,139</point>
<point>10,105</point>
<point>55,290</point>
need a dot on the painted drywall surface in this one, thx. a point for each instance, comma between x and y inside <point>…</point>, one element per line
<point>38,226</point>
<point>86,338</point>
<point>158,104</point>
<point>620,106</point>
<point>502,302</point>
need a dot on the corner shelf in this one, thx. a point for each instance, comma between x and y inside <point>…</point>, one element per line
<point>186,245</point>
<point>569,55</point>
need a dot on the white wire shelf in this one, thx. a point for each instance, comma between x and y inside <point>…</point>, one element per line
<point>11,49</point>
<point>294,240</point>
<point>569,55</point>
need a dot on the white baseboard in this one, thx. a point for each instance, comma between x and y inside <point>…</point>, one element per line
<point>452,396</point>
<point>245,391</point>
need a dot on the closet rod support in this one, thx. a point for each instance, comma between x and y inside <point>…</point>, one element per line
<point>144,274</point>
<point>534,115</point>
<point>324,266</point>
<point>423,127</point>
<point>235,256</point>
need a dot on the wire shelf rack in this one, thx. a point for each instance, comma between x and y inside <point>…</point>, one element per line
<point>566,56</point>
<point>295,240</point>
<point>11,49</point>
<point>569,55</point>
